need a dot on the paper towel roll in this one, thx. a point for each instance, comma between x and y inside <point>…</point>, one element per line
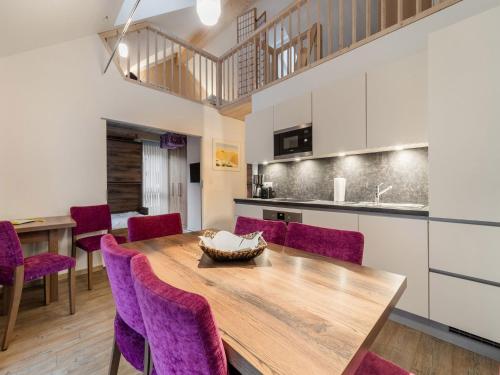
<point>339,189</point>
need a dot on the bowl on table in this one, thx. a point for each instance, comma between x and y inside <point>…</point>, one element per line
<point>223,255</point>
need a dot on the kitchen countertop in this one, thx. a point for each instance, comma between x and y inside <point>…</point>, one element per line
<point>393,209</point>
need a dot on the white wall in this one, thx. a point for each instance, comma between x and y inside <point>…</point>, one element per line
<point>406,41</point>
<point>53,138</point>
<point>193,188</point>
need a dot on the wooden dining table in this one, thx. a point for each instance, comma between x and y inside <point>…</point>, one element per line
<point>286,311</point>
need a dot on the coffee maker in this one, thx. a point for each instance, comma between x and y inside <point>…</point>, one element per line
<point>257,182</point>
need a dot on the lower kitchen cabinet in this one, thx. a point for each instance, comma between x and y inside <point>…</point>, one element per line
<point>467,305</point>
<point>248,210</point>
<point>329,219</point>
<point>399,245</point>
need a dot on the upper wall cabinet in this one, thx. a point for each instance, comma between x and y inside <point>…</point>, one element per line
<point>293,112</point>
<point>259,136</point>
<point>339,113</point>
<point>464,120</point>
<point>397,103</point>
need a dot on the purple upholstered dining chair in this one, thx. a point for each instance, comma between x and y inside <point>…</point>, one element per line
<point>339,244</point>
<point>181,329</point>
<point>130,333</point>
<point>373,364</point>
<point>91,219</point>
<point>273,231</point>
<point>15,270</point>
<point>146,227</point>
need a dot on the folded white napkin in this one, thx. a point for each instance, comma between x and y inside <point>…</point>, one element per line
<point>227,241</point>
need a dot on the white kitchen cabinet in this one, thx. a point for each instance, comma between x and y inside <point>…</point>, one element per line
<point>293,112</point>
<point>330,219</point>
<point>399,245</point>
<point>259,144</point>
<point>465,249</point>
<point>339,114</point>
<point>467,305</point>
<point>248,210</point>
<point>464,118</point>
<point>397,102</point>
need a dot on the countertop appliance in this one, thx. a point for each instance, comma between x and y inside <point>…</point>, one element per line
<point>293,142</point>
<point>257,182</point>
<point>286,216</point>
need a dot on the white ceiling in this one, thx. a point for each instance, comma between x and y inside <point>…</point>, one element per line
<point>29,24</point>
<point>150,8</point>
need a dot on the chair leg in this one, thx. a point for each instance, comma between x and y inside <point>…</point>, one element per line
<point>72,290</point>
<point>73,247</point>
<point>115,359</point>
<point>148,362</point>
<point>15,299</point>
<point>7,290</point>
<point>90,267</point>
<point>46,289</point>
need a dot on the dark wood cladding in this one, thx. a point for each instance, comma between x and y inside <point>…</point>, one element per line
<point>124,166</point>
<point>124,161</point>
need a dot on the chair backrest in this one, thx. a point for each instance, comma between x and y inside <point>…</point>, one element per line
<point>273,231</point>
<point>334,243</point>
<point>117,260</point>
<point>180,326</point>
<point>91,218</point>
<point>11,253</point>
<point>145,227</point>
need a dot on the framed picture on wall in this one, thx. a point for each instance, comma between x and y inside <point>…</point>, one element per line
<point>226,156</point>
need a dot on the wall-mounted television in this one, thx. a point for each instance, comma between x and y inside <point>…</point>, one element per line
<point>194,172</point>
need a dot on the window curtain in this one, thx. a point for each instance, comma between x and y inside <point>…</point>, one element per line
<point>155,178</point>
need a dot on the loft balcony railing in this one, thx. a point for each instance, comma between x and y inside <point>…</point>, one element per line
<point>305,34</point>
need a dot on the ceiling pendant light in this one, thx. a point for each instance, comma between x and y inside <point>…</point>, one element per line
<point>209,11</point>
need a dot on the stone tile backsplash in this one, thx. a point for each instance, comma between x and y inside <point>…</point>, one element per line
<point>405,170</point>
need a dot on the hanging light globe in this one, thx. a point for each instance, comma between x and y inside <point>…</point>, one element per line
<point>209,11</point>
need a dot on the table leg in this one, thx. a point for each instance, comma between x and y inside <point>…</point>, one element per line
<point>54,279</point>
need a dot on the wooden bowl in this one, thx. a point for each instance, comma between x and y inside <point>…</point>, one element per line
<point>229,256</point>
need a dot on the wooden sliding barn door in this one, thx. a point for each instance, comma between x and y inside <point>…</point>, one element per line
<point>177,177</point>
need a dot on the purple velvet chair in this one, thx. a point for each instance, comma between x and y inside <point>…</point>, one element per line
<point>372,364</point>
<point>181,329</point>
<point>142,228</point>
<point>90,219</point>
<point>273,231</point>
<point>339,244</point>
<point>130,333</point>
<point>15,270</point>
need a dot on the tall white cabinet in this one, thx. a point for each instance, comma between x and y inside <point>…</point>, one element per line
<point>397,102</point>
<point>464,178</point>
<point>259,136</point>
<point>339,114</point>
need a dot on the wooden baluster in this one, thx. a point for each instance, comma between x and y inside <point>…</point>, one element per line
<point>383,12</point>
<point>341,24</point>
<point>400,11</point>
<point>171,65</point>
<point>128,55</point>
<point>179,63</point>
<point>309,29</point>
<point>232,77</point>
<point>319,37</point>
<point>156,59</point>
<point>275,65</point>
<point>194,74</point>
<point>199,76</point>
<point>266,56</point>
<point>299,30</point>
<point>206,78</point>
<point>330,31</point>
<point>254,83</point>
<point>164,80</point>
<point>138,56</point>
<point>354,25</point>
<point>212,78</point>
<point>290,39</point>
<point>418,6</point>
<point>282,61</point>
<point>147,55</point>
<point>368,20</point>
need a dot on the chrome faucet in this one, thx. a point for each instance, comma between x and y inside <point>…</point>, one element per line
<point>379,192</point>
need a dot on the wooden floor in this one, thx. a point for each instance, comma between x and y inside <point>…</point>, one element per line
<point>47,340</point>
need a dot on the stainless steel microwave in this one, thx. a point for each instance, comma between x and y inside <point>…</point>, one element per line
<point>293,142</point>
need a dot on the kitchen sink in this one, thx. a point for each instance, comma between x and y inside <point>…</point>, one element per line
<point>390,205</point>
<point>292,200</point>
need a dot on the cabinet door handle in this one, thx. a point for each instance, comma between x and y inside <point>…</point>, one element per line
<point>172,191</point>
<point>180,189</point>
